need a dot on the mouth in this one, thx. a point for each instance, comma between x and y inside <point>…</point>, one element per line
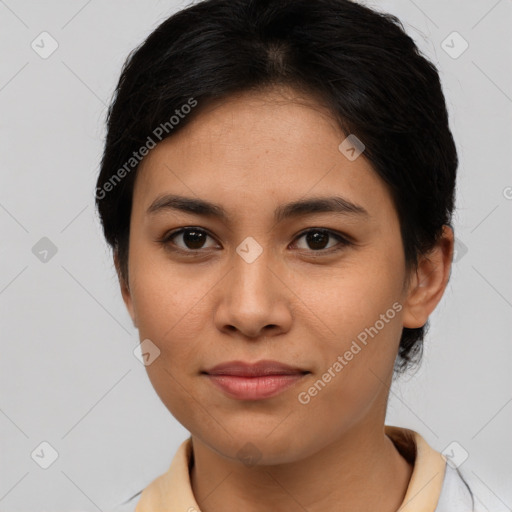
<point>254,381</point>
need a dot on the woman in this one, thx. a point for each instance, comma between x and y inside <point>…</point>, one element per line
<point>277,187</point>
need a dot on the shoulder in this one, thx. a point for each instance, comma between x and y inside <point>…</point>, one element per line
<point>456,495</point>
<point>128,505</point>
<point>170,491</point>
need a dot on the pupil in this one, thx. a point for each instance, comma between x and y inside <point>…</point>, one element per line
<point>193,239</point>
<point>317,239</point>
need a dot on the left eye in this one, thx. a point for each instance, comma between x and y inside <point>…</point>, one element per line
<point>318,239</point>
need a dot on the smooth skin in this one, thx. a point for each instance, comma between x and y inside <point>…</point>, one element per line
<point>202,304</point>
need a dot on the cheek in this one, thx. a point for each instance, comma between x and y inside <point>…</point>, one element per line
<point>355,370</point>
<point>355,295</point>
<point>169,304</point>
<point>170,309</point>
<point>362,308</point>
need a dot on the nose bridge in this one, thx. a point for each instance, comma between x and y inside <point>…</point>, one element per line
<point>251,273</point>
<point>252,297</point>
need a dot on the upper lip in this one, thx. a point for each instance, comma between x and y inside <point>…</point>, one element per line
<point>260,368</point>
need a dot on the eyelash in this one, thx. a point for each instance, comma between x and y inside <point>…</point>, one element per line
<point>169,245</point>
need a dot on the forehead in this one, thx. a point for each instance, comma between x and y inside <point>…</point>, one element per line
<point>257,147</point>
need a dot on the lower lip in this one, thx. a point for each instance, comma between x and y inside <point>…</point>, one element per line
<point>254,388</point>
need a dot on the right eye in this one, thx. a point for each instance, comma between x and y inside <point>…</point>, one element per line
<point>192,239</point>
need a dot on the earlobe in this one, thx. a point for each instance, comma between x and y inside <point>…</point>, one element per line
<point>429,281</point>
<point>125,289</point>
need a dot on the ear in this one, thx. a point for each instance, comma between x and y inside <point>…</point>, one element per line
<point>429,281</point>
<point>125,289</point>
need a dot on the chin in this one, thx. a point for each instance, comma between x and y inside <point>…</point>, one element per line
<point>253,447</point>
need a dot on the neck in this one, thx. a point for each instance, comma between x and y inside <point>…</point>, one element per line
<point>360,471</point>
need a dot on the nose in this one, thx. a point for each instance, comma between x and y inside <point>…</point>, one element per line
<point>254,300</point>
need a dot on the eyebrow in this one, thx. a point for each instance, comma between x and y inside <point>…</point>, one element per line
<point>335,204</point>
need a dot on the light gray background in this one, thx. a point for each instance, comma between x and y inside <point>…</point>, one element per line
<point>68,373</point>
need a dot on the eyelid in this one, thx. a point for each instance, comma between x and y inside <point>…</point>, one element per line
<point>343,240</point>
<point>166,238</point>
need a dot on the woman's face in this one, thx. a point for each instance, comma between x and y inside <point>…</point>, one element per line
<point>255,285</point>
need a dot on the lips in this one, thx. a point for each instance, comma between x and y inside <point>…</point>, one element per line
<point>254,381</point>
<point>259,369</point>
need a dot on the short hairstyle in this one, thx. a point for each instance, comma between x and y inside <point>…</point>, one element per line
<point>355,61</point>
